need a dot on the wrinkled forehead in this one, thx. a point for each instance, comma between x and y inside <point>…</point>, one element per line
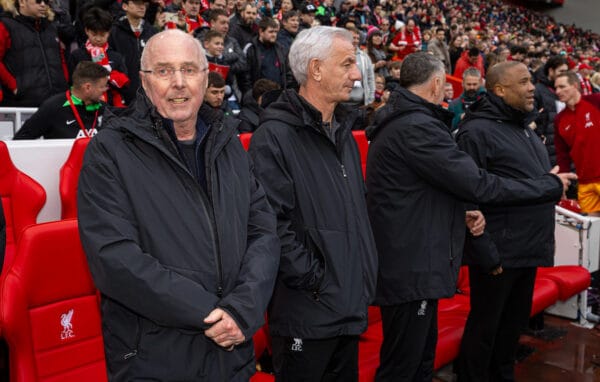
<point>177,50</point>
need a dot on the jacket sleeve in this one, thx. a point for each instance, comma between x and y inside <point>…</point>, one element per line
<point>369,81</point>
<point>6,77</point>
<point>247,303</point>
<point>299,267</point>
<point>121,268</point>
<point>236,59</point>
<point>433,154</point>
<point>35,126</point>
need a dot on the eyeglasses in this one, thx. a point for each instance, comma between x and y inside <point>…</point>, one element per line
<point>166,73</point>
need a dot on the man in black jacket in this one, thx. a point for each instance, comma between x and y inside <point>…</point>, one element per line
<point>308,162</point>
<point>129,36</point>
<point>546,101</point>
<point>179,235</point>
<point>521,237</point>
<point>266,57</point>
<point>32,59</point>
<point>418,182</point>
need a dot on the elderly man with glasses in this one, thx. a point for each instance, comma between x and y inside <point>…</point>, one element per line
<point>179,236</point>
<point>30,62</point>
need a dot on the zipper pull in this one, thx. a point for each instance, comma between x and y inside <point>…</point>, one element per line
<point>129,355</point>
<point>220,291</point>
<point>526,132</point>
<point>344,171</point>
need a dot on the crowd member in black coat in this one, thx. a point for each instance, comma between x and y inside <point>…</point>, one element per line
<point>245,28</point>
<point>128,37</point>
<point>266,58</point>
<point>495,133</point>
<point>31,68</point>
<point>185,283</point>
<point>418,182</point>
<point>76,113</point>
<point>290,24</point>
<point>305,157</point>
<point>546,100</point>
<point>253,105</point>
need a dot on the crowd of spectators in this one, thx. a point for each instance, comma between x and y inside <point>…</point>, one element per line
<point>255,37</point>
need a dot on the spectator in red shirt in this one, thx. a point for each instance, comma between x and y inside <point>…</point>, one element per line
<point>407,41</point>
<point>469,59</point>
<point>577,139</point>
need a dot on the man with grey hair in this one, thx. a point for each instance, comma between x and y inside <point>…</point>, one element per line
<point>308,162</point>
<point>472,91</point>
<point>418,182</point>
<point>179,236</point>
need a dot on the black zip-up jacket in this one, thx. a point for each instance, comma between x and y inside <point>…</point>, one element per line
<point>328,263</point>
<point>418,182</point>
<point>34,59</point>
<point>545,98</point>
<point>497,138</point>
<point>164,253</point>
<point>123,40</point>
<point>254,57</point>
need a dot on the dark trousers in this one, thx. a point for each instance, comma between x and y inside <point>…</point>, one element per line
<point>500,308</point>
<point>331,359</point>
<point>409,340</point>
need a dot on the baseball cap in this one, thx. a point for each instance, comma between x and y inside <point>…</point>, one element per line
<point>308,8</point>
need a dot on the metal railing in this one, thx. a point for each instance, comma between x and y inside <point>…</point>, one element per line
<point>16,116</point>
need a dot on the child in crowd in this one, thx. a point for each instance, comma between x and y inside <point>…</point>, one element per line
<point>97,23</point>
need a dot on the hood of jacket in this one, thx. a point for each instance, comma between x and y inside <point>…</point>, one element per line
<point>292,109</point>
<point>493,107</point>
<point>403,101</point>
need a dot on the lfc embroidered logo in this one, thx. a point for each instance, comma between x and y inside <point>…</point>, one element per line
<point>297,345</point>
<point>65,321</point>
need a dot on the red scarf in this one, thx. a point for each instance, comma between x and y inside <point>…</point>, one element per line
<point>98,53</point>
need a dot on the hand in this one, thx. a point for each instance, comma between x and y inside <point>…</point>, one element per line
<point>496,271</point>
<point>475,222</point>
<point>224,330</point>
<point>565,178</point>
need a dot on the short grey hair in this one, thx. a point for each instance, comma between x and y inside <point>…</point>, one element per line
<point>311,43</point>
<point>471,72</point>
<point>418,68</point>
<point>168,34</point>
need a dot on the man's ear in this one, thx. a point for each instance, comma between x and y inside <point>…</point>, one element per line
<point>315,70</point>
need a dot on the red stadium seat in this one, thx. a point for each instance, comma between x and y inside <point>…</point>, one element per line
<point>545,294</point>
<point>363,148</point>
<point>570,279</point>
<point>69,177</point>
<point>261,344</point>
<point>22,200</point>
<point>49,312</point>
<point>245,139</point>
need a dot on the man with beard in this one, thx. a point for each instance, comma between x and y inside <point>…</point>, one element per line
<point>245,29</point>
<point>266,58</point>
<point>546,101</point>
<point>472,91</point>
<point>290,24</point>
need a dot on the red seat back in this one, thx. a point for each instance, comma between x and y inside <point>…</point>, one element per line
<point>245,139</point>
<point>22,200</point>
<point>69,177</point>
<point>456,84</point>
<point>363,148</point>
<point>49,312</point>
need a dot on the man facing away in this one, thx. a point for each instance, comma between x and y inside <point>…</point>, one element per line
<point>179,236</point>
<point>309,164</point>
<point>577,139</point>
<point>418,182</point>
